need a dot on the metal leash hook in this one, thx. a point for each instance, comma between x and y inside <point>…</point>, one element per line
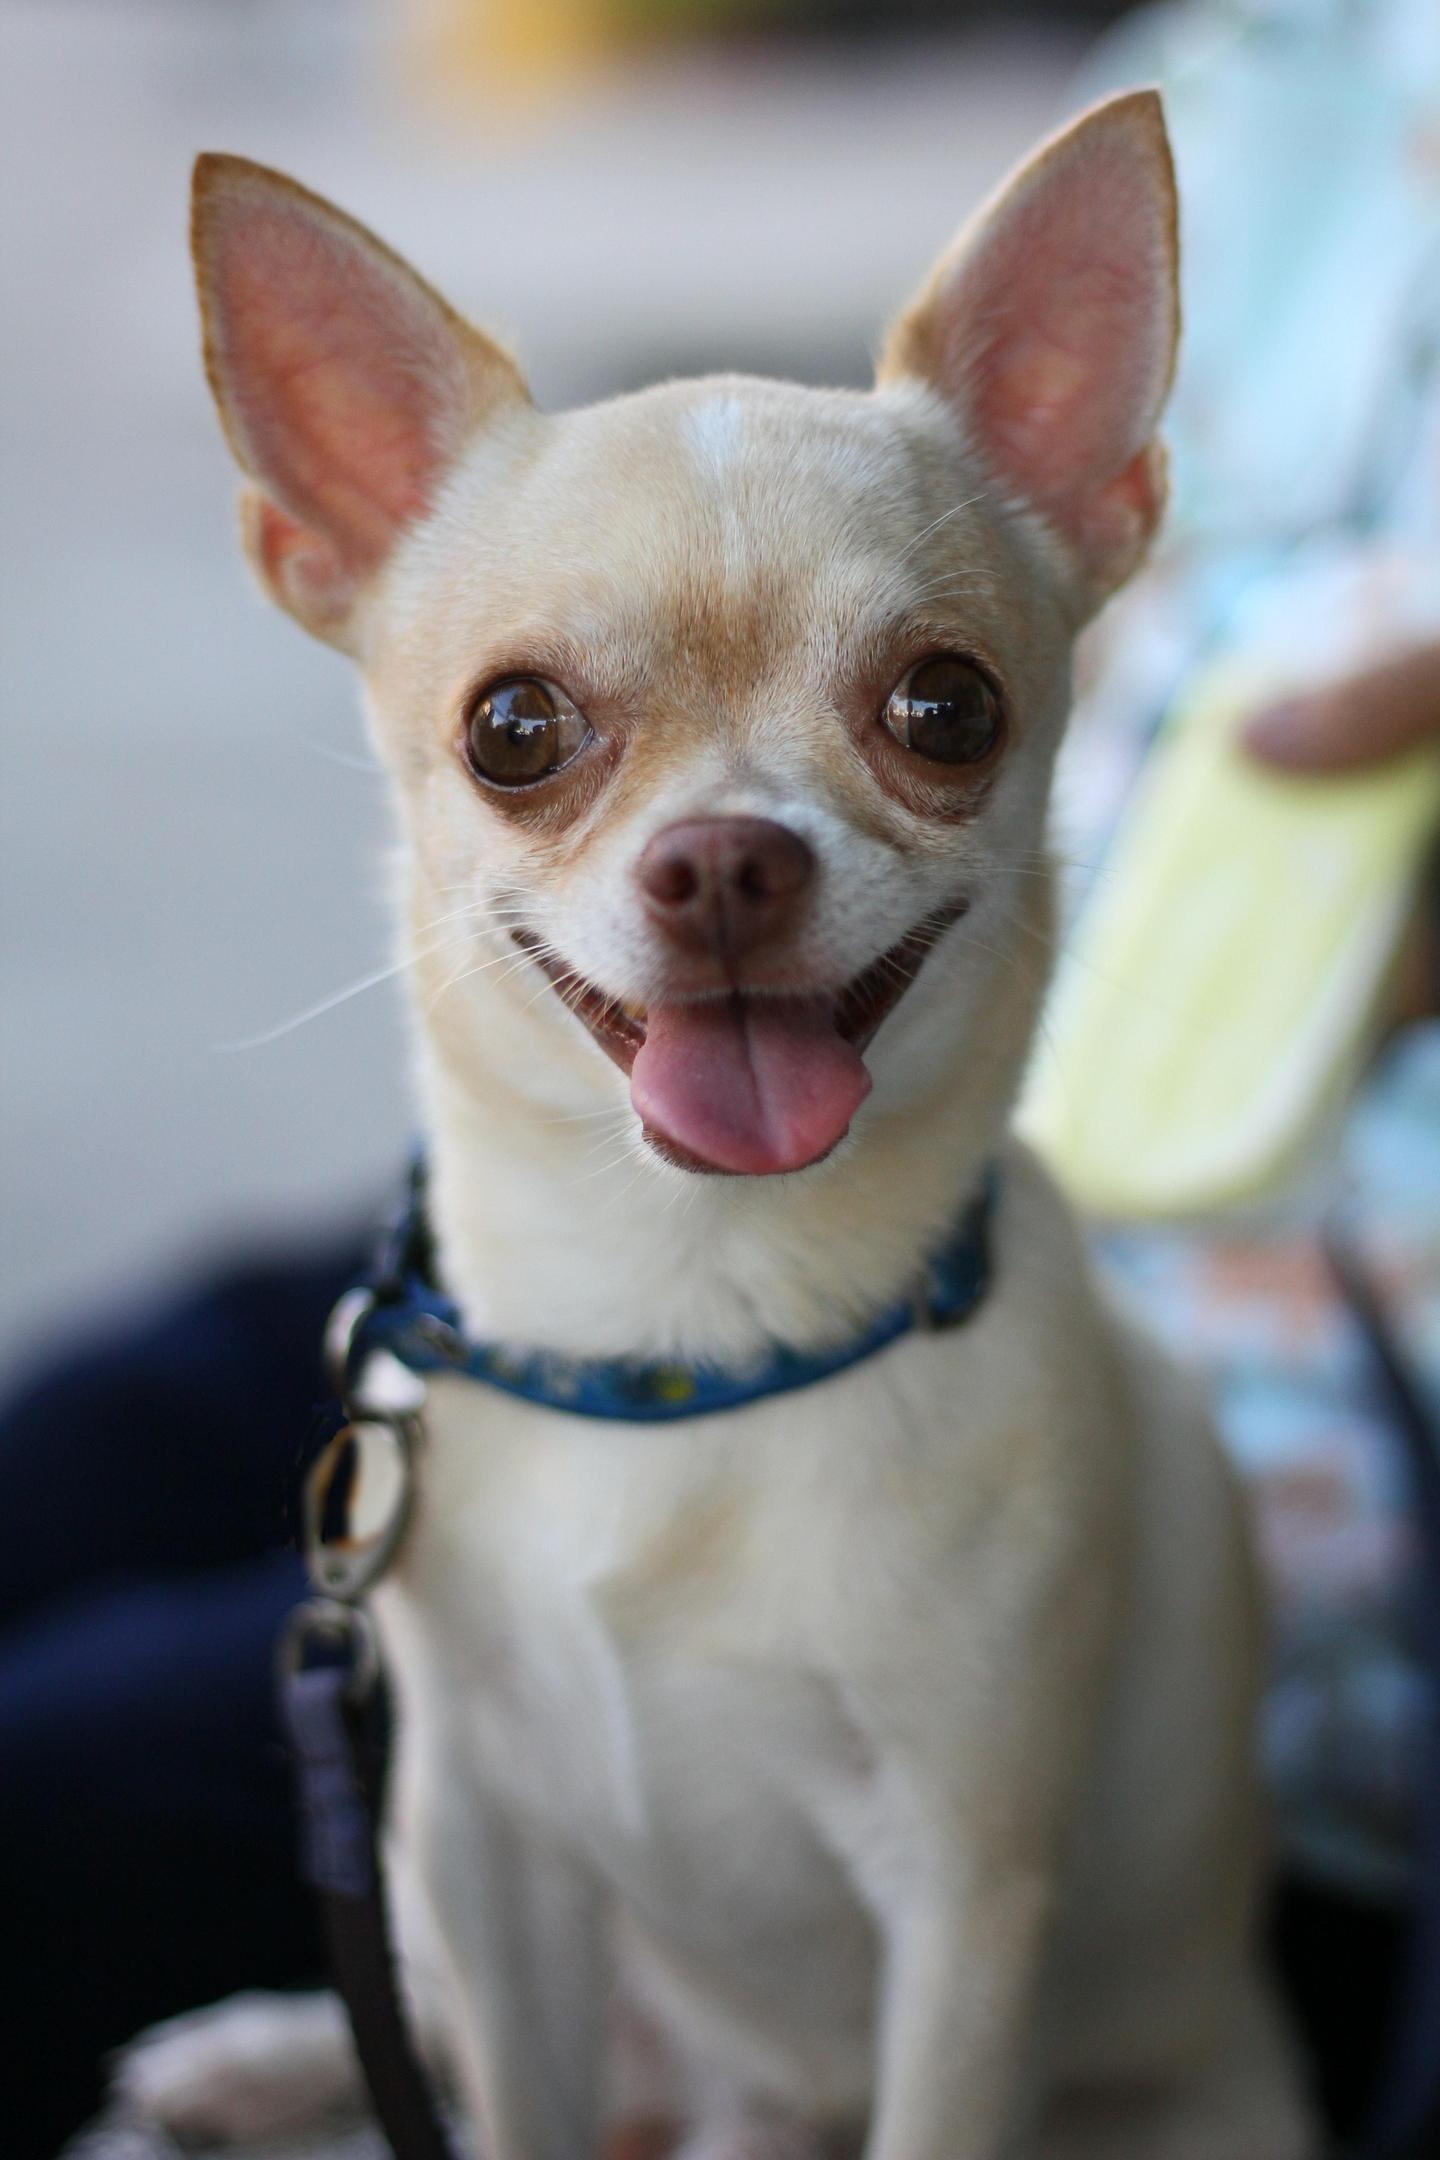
<point>355,1509</point>
<point>357,1502</point>
<point>322,1622</point>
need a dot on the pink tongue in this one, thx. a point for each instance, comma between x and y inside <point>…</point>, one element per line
<point>754,1085</point>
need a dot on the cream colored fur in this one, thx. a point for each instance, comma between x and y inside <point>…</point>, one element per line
<point>888,1744</point>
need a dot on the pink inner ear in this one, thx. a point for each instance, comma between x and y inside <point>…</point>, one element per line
<point>300,566</point>
<point>343,379</point>
<point>1058,326</point>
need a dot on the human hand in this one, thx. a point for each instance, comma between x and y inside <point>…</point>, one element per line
<point>1359,719</point>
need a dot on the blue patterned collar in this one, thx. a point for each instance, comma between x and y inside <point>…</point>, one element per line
<point>402,1311</point>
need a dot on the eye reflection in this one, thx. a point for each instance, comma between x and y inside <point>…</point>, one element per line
<point>523,730</point>
<point>945,710</point>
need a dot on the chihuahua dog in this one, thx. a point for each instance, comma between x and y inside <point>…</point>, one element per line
<point>885,1744</point>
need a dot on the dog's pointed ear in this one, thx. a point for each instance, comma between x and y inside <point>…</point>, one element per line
<point>346,387</point>
<point>1050,329</point>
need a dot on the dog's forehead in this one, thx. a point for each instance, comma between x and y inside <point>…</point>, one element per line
<point>710,541</point>
<point>767,447</point>
<point>718,493</point>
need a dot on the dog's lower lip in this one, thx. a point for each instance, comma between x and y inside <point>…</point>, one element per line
<point>874,994</point>
<point>618,1025</point>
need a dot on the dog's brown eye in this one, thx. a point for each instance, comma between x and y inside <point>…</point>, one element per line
<point>946,710</point>
<point>523,730</point>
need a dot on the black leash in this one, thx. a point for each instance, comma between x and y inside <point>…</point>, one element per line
<point>330,1696</point>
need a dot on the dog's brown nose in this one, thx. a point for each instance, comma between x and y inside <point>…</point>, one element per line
<point>724,885</point>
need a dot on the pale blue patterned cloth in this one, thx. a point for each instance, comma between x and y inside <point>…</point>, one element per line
<point>1305,529</point>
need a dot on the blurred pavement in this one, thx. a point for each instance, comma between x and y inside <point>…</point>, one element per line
<point>190,838</point>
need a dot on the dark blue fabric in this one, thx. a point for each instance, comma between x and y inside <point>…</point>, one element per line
<point>146,1811</point>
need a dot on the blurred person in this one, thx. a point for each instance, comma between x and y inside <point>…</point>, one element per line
<point>145,1802</point>
<point>1302,553</point>
<point>1378,712</point>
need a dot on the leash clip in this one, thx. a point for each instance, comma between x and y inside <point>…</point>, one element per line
<point>358,1500</point>
<point>347,1316</point>
<point>323,1623</point>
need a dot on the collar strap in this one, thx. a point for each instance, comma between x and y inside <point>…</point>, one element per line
<point>401,1310</point>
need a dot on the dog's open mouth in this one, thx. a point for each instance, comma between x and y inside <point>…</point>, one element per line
<point>755,1082</point>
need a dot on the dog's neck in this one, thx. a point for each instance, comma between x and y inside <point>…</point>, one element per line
<point>554,1230</point>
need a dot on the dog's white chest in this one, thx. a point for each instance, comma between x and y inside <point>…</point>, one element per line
<point>594,1579</point>
<point>630,1637</point>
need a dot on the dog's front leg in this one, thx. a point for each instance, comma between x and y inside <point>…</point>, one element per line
<point>956,1851</point>
<point>959,1954</point>
<point>522,1924</point>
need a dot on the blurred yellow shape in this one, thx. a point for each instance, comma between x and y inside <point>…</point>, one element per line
<point>1225,977</point>
<point>481,47</point>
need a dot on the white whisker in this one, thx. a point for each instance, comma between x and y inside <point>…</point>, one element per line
<point>936,523</point>
<point>347,758</point>
<point>955,590</point>
<point>322,1006</point>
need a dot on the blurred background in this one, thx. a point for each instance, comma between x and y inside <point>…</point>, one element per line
<point>202,1050</point>
<point>191,832</point>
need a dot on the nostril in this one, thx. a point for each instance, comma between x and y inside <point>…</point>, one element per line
<point>673,880</point>
<point>753,879</point>
<point>776,868</point>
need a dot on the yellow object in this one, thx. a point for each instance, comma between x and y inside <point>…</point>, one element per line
<point>484,49</point>
<point>1221,988</point>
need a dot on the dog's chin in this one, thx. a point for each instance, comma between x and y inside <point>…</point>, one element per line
<point>751,1080</point>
